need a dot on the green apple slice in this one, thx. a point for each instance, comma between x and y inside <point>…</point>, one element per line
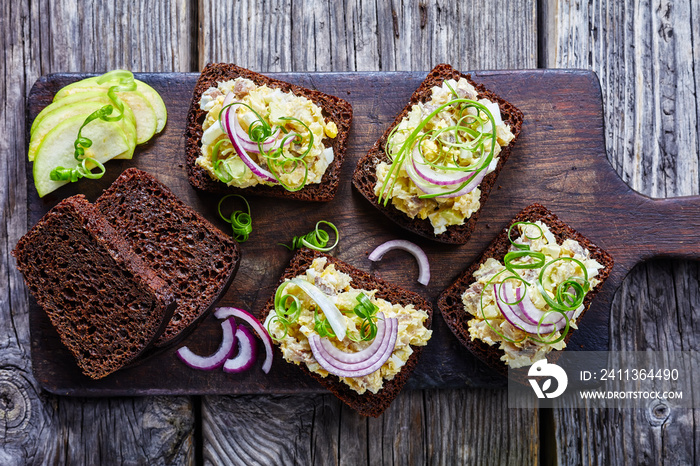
<point>90,96</point>
<point>62,112</point>
<point>147,91</point>
<point>108,141</point>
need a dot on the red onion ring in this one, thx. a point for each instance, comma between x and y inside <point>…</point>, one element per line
<point>360,355</point>
<point>418,253</point>
<point>219,357</point>
<point>533,313</point>
<point>444,191</point>
<point>224,312</point>
<point>238,146</point>
<point>246,354</point>
<point>372,364</point>
<point>431,175</point>
<point>523,314</point>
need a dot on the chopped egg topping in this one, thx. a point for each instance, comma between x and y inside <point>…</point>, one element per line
<point>274,106</point>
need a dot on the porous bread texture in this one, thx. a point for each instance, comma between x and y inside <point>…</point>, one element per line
<point>103,300</point>
<point>365,174</point>
<point>194,257</point>
<point>367,404</point>
<point>336,109</point>
<point>450,301</point>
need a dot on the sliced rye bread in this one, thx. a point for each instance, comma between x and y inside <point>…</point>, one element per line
<point>336,109</point>
<point>106,304</point>
<point>450,301</point>
<point>367,404</point>
<point>193,256</point>
<point>365,176</point>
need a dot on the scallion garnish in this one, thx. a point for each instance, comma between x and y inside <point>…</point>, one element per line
<point>467,136</point>
<point>316,239</point>
<point>568,295</point>
<point>367,311</point>
<point>287,309</point>
<point>322,326</point>
<point>279,159</point>
<point>241,222</point>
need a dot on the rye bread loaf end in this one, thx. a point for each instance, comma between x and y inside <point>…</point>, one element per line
<point>365,176</point>
<point>367,404</point>
<point>334,108</point>
<point>103,300</point>
<point>194,257</point>
<point>450,300</point>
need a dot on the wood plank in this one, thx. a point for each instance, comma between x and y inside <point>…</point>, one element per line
<point>366,35</point>
<point>401,34</point>
<point>646,56</point>
<point>40,37</point>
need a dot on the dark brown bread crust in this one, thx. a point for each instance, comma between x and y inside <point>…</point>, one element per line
<point>337,110</point>
<point>450,301</point>
<point>368,404</point>
<point>194,257</point>
<point>365,176</point>
<point>103,300</point>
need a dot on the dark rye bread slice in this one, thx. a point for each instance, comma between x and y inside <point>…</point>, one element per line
<point>365,176</point>
<point>450,300</point>
<point>367,404</point>
<point>103,300</point>
<point>334,108</point>
<point>193,256</point>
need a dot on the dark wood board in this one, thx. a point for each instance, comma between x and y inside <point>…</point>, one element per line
<point>560,161</point>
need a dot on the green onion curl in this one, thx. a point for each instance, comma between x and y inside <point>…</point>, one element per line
<point>241,222</point>
<point>317,238</point>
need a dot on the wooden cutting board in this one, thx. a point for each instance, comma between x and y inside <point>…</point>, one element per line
<point>559,161</point>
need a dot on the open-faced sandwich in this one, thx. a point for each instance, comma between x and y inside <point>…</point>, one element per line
<point>434,167</point>
<point>527,293</point>
<point>359,336</point>
<point>250,133</point>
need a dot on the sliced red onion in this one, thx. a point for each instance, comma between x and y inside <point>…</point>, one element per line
<point>219,357</point>
<point>512,295</point>
<point>228,100</point>
<point>224,312</point>
<point>550,317</point>
<point>431,175</point>
<point>360,369</point>
<point>444,191</point>
<point>334,316</point>
<point>249,144</point>
<point>238,146</point>
<point>511,315</point>
<point>246,354</point>
<point>525,315</point>
<point>418,253</point>
<point>363,355</point>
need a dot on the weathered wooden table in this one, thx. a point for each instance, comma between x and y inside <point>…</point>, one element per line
<point>649,69</point>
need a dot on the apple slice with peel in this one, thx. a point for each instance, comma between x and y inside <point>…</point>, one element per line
<point>63,112</point>
<point>147,91</point>
<point>108,141</point>
<point>146,120</point>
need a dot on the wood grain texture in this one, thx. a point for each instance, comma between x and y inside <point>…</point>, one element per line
<point>356,35</point>
<point>40,37</point>
<point>368,35</point>
<point>646,55</point>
